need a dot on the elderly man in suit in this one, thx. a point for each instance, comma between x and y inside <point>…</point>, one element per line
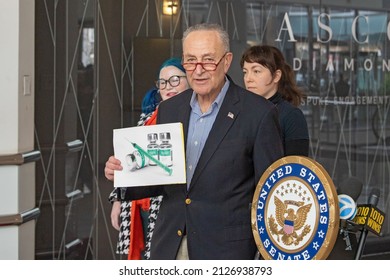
<point>232,136</point>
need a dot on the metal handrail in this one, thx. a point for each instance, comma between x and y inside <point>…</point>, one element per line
<point>75,145</point>
<point>20,218</point>
<point>21,158</point>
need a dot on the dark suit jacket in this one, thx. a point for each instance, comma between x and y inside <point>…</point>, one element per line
<point>216,210</point>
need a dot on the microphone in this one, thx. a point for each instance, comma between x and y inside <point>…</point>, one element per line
<point>374,197</point>
<point>346,241</point>
<point>347,207</point>
<point>348,211</point>
<point>371,218</point>
<point>349,191</point>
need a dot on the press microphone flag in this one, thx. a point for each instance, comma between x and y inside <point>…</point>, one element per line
<point>347,207</point>
<point>348,210</point>
<point>371,219</point>
<point>369,216</point>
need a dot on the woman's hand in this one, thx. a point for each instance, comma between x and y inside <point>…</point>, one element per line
<point>115,215</point>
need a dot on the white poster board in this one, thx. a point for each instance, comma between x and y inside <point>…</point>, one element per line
<point>150,155</point>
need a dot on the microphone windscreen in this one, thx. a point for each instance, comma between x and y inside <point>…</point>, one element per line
<point>374,197</point>
<point>351,186</point>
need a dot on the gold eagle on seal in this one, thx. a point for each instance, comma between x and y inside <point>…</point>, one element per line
<point>289,221</point>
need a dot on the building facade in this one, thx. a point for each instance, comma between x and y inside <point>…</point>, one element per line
<point>95,59</point>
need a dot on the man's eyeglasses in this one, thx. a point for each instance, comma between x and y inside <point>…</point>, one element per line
<point>208,66</point>
<point>174,81</point>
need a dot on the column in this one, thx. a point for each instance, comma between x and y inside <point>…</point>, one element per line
<point>17,167</point>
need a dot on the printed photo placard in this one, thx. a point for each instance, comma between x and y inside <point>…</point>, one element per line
<point>150,155</point>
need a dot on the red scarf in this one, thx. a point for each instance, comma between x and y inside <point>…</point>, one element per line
<point>137,238</point>
<point>153,118</point>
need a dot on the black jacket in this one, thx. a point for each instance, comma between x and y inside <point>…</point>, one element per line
<point>215,212</point>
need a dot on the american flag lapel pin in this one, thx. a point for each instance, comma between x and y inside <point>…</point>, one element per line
<point>231,115</point>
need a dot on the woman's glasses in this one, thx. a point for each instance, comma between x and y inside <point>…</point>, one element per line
<point>174,81</point>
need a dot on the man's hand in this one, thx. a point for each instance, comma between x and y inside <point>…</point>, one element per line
<point>112,164</point>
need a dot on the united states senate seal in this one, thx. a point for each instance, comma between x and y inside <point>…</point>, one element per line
<point>295,212</point>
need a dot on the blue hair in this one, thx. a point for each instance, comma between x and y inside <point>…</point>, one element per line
<point>152,97</point>
<point>174,61</point>
<point>150,101</point>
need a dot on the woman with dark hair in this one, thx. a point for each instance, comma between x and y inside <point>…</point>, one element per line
<point>266,73</point>
<point>135,219</point>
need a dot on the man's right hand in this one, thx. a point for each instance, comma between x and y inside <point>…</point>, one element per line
<point>112,164</point>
